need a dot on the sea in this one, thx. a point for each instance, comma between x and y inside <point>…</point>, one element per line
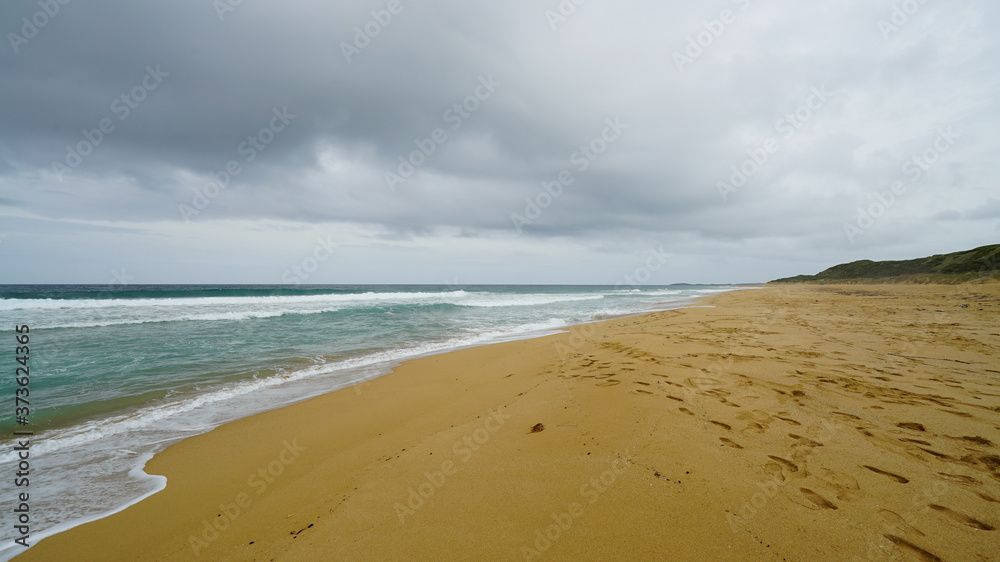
<point>117,373</point>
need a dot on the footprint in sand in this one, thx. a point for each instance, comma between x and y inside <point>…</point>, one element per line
<point>911,426</point>
<point>941,456</point>
<point>987,497</point>
<point>978,441</point>
<point>896,520</point>
<point>759,416</point>
<point>773,470</point>
<point>804,441</point>
<point>846,486</point>
<point>789,420</point>
<point>959,414</point>
<point>895,477</point>
<point>961,518</point>
<point>609,382</point>
<point>704,384</point>
<point>991,462</point>
<point>958,478</point>
<point>675,398</point>
<point>817,499</point>
<point>725,426</point>
<point>907,546</point>
<point>643,391</point>
<point>686,411</point>
<point>785,463</point>
<point>730,443</point>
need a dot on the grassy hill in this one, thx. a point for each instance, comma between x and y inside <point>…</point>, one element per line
<point>979,265</point>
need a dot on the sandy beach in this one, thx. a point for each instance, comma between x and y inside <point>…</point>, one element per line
<point>781,423</point>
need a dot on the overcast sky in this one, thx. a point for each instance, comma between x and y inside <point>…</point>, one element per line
<point>402,141</point>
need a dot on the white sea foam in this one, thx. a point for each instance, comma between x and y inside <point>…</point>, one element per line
<point>499,301</point>
<point>95,313</point>
<point>184,302</point>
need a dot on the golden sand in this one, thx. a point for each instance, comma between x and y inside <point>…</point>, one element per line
<point>784,423</point>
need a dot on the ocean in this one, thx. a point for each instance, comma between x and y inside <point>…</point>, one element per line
<point>118,373</point>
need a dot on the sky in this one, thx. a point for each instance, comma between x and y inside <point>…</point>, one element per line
<point>445,141</point>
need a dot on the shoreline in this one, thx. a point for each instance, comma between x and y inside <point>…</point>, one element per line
<point>359,376</point>
<point>367,365</point>
<point>351,439</point>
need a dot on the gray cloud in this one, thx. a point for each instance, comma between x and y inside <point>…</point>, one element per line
<point>217,84</point>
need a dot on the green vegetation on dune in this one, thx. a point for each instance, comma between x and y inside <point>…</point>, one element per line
<point>979,265</point>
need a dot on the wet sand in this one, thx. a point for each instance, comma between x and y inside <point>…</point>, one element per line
<point>783,423</point>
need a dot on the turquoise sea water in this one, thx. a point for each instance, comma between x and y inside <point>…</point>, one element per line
<point>119,373</point>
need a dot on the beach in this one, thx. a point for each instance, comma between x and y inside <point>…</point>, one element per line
<point>789,422</point>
